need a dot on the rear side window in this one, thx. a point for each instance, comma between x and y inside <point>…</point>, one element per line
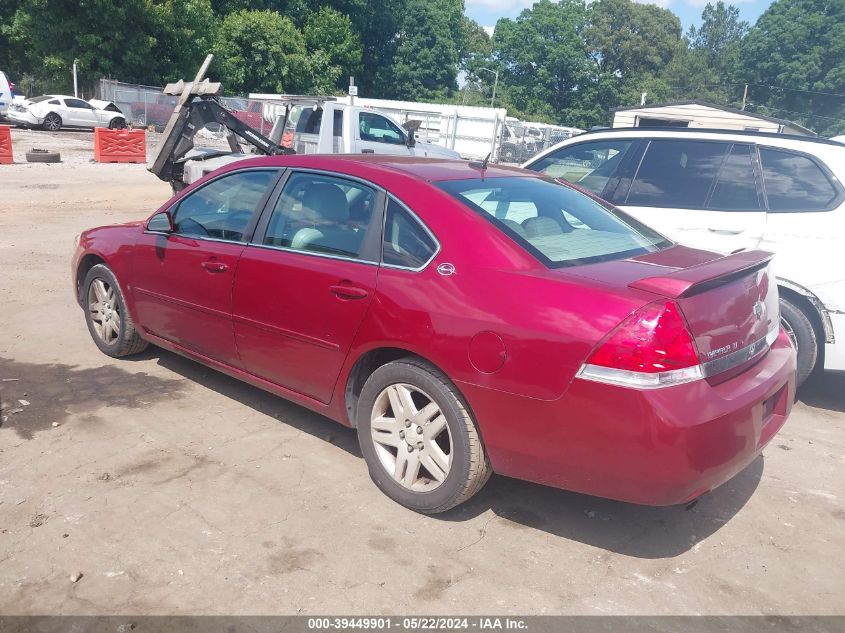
<point>736,186</point>
<point>590,165</point>
<point>795,183</point>
<point>676,174</point>
<point>406,243</point>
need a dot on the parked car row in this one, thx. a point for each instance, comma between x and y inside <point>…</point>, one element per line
<point>464,318</point>
<point>727,191</point>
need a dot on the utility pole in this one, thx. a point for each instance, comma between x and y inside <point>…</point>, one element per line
<point>744,97</point>
<point>495,83</point>
<point>75,91</point>
<point>353,90</point>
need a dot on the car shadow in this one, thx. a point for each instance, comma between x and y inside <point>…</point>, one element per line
<point>824,390</point>
<point>632,530</point>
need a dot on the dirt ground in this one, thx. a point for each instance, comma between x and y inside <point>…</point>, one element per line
<point>173,489</point>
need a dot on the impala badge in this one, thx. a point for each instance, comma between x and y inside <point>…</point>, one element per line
<point>446,269</point>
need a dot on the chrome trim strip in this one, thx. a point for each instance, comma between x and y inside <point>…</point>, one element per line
<point>286,249</point>
<point>747,353</point>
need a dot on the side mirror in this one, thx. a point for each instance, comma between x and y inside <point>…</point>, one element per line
<point>161,222</point>
<point>411,128</point>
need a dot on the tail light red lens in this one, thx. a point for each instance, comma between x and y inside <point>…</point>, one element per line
<point>653,340</point>
<point>652,348</point>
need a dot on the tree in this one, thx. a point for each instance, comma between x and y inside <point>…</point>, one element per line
<point>261,51</point>
<point>335,48</point>
<point>799,45</point>
<point>543,61</point>
<point>425,66</point>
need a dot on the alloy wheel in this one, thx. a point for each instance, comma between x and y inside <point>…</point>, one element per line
<point>411,437</point>
<point>53,123</point>
<point>104,311</point>
<point>789,332</point>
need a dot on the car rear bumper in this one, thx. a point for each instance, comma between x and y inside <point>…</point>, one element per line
<point>25,119</point>
<point>654,447</point>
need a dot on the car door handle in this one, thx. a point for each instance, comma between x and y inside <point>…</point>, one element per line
<point>726,231</point>
<point>349,292</point>
<point>368,151</point>
<point>215,267</point>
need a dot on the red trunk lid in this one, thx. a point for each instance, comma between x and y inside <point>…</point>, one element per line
<point>729,303</point>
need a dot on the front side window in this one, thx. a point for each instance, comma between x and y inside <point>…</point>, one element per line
<point>223,208</point>
<point>555,223</point>
<point>322,214</point>
<point>676,174</point>
<point>378,129</point>
<point>78,103</point>
<point>406,243</point>
<point>590,165</point>
<point>736,185</point>
<point>795,183</point>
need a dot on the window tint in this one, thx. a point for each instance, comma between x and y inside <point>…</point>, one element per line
<point>78,103</point>
<point>676,174</point>
<point>321,214</point>
<point>736,186</point>
<point>559,225</point>
<point>54,102</point>
<point>379,130</point>
<point>406,242</point>
<point>223,208</point>
<point>794,182</point>
<point>589,164</point>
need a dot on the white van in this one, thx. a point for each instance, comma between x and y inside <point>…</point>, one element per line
<point>7,89</point>
<point>728,190</point>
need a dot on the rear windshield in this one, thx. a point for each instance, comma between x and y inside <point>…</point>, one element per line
<point>40,99</point>
<point>557,224</point>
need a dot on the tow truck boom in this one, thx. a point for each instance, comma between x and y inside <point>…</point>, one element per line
<point>197,107</point>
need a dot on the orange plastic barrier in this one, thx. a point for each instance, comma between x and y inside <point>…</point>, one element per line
<point>120,146</point>
<point>6,157</point>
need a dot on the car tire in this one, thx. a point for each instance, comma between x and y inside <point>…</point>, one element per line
<point>101,288</point>
<point>43,156</point>
<point>432,394</point>
<point>117,124</point>
<point>52,122</point>
<point>803,335</point>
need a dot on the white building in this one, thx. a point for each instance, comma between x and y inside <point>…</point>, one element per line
<point>701,114</point>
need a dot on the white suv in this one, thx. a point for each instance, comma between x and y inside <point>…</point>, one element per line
<point>6,88</point>
<point>725,191</point>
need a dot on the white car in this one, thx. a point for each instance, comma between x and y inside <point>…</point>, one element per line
<point>7,88</point>
<point>53,112</point>
<point>730,190</point>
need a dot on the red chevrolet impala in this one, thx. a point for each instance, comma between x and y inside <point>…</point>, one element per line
<point>465,319</point>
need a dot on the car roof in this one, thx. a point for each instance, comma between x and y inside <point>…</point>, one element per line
<point>699,131</point>
<point>422,168</point>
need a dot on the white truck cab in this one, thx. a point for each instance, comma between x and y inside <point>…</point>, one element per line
<point>329,127</point>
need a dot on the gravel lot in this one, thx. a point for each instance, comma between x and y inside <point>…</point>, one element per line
<point>176,490</point>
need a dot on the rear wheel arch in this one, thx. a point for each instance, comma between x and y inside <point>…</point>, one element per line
<point>810,310</point>
<point>809,304</point>
<point>370,361</point>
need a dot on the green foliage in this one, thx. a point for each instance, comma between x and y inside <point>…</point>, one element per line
<point>426,63</point>
<point>334,47</point>
<point>261,49</point>
<point>800,45</point>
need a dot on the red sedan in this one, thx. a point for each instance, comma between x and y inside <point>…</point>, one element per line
<point>465,319</point>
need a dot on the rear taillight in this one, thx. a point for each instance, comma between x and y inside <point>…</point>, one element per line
<point>652,348</point>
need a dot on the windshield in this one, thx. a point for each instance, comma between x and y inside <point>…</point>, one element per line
<point>40,99</point>
<point>558,225</point>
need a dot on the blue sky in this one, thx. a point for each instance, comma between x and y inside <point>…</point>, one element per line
<point>486,12</point>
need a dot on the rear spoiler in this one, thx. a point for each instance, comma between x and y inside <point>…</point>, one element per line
<point>702,277</point>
